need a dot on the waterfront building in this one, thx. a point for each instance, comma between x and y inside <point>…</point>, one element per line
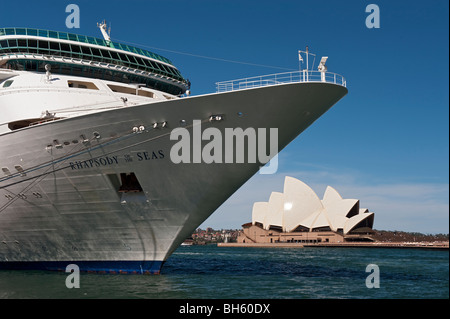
<point>298,215</point>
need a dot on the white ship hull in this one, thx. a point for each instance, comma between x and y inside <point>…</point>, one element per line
<point>70,210</point>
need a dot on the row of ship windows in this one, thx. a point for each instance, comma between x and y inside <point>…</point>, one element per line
<point>80,38</point>
<point>92,86</point>
<point>113,87</point>
<point>87,53</point>
<point>92,72</point>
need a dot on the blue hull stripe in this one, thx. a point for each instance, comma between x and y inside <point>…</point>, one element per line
<point>112,267</point>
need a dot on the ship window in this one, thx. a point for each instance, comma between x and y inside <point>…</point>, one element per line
<point>146,93</point>
<point>12,42</point>
<point>77,70</point>
<point>32,43</point>
<point>145,62</point>
<point>43,44</point>
<point>132,59</point>
<point>63,35</point>
<point>114,55</point>
<point>54,46</point>
<point>91,40</point>
<point>122,89</point>
<point>22,42</point>
<point>63,68</point>
<point>53,34</point>
<point>130,183</point>
<point>128,90</point>
<point>170,70</point>
<point>42,33</point>
<point>105,54</point>
<point>95,51</point>
<point>123,57</point>
<point>29,31</point>
<point>153,64</point>
<point>82,85</point>
<point>7,83</point>
<point>73,37</point>
<point>163,67</point>
<point>65,47</point>
<point>86,50</point>
<point>75,48</point>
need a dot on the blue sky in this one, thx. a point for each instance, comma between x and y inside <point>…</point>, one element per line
<point>386,143</point>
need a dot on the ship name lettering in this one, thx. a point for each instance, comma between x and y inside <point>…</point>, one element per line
<point>114,159</point>
<point>95,162</point>
<point>147,156</point>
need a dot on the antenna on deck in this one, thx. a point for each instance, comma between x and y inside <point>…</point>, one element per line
<point>106,34</point>
<point>307,62</point>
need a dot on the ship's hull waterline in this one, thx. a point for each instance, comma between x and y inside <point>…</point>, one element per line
<point>68,207</point>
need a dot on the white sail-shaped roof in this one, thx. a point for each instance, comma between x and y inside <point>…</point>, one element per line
<point>303,201</point>
<point>321,220</point>
<point>331,196</point>
<point>355,220</point>
<point>338,211</point>
<point>299,205</point>
<point>274,211</point>
<point>259,212</point>
<point>309,221</point>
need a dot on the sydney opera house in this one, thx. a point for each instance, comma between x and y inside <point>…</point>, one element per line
<point>299,215</point>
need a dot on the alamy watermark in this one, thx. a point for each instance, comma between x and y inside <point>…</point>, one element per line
<point>230,147</point>
<point>73,19</point>
<point>73,280</point>
<point>373,279</point>
<point>373,19</point>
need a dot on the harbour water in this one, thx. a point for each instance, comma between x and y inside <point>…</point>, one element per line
<point>211,272</point>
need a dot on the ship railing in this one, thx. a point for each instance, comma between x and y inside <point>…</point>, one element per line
<point>281,78</point>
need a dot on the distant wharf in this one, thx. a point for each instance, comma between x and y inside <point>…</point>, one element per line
<point>417,245</point>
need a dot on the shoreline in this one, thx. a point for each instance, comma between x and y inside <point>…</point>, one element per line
<point>416,245</point>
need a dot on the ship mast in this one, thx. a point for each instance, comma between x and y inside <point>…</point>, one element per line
<point>307,62</point>
<point>106,34</point>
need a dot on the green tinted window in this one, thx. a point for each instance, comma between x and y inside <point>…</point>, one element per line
<point>53,34</point>
<point>63,35</point>
<point>73,37</point>
<point>43,33</point>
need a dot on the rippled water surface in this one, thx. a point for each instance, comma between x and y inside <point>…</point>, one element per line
<point>210,272</point>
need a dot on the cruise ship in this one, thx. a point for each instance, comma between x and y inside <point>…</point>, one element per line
<point>85,148</point>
